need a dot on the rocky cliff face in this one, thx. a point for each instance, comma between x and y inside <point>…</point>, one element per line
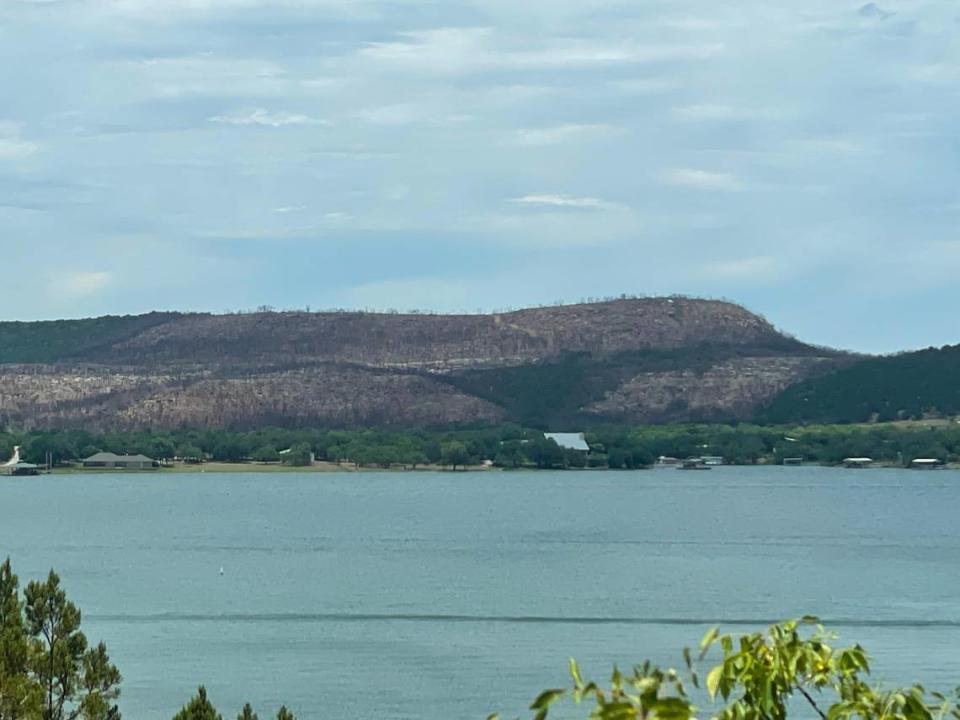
<point>353,369</point>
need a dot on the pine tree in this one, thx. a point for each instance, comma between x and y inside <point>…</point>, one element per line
<point>199,708</point>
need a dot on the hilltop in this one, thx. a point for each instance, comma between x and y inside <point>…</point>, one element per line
<point>630,360</point>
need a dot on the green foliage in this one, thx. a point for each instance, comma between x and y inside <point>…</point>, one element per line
<point>454,453</point>
<point>545,453</point>
<point>284,714</point>
<point>267,453</point>
<point>198,708</point>
<point>47,671</point>
<point>899,387</point>
<point>757,677</point>
<point>553,392</point>
<point>510,446</point>
<point>247,713</point>
<point>60,340</point>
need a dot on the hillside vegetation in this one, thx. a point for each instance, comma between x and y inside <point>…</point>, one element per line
<point>627,360</point>
<point>907,386</point>
<point>54,341</point>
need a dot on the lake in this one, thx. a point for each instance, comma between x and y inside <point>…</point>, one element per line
<point>453,595</point>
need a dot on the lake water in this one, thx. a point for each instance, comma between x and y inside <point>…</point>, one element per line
<point>452,595</point>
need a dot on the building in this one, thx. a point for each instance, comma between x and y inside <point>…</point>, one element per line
<point>857,462</point>
<point>925,464</point>
<point>119,462</point>
<point>569,441</point>
<point>20,468</point>
<point>16,466</point>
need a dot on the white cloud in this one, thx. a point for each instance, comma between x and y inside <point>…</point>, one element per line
<point>565,201</point>
<point>563,134</point>
<point>78,284</point>
<point>260,116</point>
<point>702,179</point>
<point>12,144</point>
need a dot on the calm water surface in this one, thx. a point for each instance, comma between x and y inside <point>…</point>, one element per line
<point>442,595</point>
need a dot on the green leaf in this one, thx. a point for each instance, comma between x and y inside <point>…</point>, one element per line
<point>575,673</point>
<point>546,699</point>
<point>672,709</point>
<point>713,680</point>
<point>708,640</point>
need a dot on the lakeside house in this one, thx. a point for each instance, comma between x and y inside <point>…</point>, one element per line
<point>119,462</point>
<point>925,463</point>
<point>17,466</point>
<point>569,441</point>
<point>857,462</point>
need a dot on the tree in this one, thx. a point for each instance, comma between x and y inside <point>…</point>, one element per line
<point>433,451</point>
<point>454,453</point>
<point>510,454</point>
<point>247,713</point>
<point>190,453</point>
<point>284,714</point>
<point>231,449</point>
<point>75,682</point>
<point>545,453</point>
<point>264,454</point>
<point>757,677</point>
<point>199,708</point>
<point>20,696</point>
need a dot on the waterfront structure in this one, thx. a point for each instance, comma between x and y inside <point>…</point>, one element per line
<point>113,461</point>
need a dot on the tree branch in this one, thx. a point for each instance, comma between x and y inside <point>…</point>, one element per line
<point>812,703</point>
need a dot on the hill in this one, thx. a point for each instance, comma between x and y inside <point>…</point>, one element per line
<point>907,386</point>
<point>631,360</point>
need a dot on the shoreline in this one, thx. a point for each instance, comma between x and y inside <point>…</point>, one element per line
<point>329,467</point>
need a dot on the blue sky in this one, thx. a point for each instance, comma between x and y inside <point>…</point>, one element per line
<point>800,158</point>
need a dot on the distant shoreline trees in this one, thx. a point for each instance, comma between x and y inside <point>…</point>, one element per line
<point>507,446</point>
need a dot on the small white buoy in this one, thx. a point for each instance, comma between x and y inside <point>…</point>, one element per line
<point>221,570</point>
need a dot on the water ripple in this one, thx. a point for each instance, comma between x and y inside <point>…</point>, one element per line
<point>904,623</point>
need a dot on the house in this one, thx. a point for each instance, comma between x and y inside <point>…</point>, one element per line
<point>569,441</point>
<point>925,464</point>
<point>16,466</point>
<point>20,468</point>
<point>857,462</point>
<point>119,462</point>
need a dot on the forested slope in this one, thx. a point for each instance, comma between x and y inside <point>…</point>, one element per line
<point>910,385</point>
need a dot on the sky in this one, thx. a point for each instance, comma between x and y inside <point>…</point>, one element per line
<point>800,158</point>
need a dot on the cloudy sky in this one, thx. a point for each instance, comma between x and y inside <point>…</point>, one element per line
<point>800,157</point>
